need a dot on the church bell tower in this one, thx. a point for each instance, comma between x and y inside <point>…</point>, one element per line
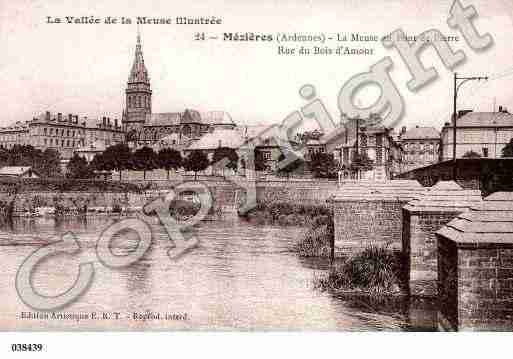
<point>137,93</point>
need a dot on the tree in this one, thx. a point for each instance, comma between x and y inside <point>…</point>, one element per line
<point>323,165</point>
<point>230,154</point>
<point>97,163</point>
<point>196,161</point>
<point>168,159</point>
<point>4,157</point>
<point>117,157</point>
<point>259,161</point>
<point>49,164</point>
<point>507,151</point>
<point>78,168</point>
<point>361,162</point>
<point>471,154</point>
<point>145,159</point>
<point>290,167</point>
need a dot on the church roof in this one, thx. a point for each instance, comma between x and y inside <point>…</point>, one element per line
<point>163,119</point>
<point>139,73</point>
<point>189,116</point>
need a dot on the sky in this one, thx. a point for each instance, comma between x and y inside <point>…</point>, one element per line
<point>83,68</point>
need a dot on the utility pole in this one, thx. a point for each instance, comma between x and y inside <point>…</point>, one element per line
<point>357,144</point>
<point>457,86</point>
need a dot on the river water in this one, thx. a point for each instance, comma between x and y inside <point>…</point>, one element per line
<point>240,277</point>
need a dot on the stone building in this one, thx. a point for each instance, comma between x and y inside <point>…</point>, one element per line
<point>146,128</point>
<point>62,133</point>
<point>421,147</point>
<point>380,146</point>
<point>485,133</point>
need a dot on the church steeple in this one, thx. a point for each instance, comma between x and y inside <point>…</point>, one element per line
<point>138,92</point>
<point>139,72</point>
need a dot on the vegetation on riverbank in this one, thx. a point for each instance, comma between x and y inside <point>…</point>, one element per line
<point>286,214</point>
<point>375,270</point>
<point>180,209</point>
<point>316,242</point>
<point>20,185</point>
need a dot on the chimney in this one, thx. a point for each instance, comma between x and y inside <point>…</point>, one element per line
<point>104,122</point>
<point>47,116</point>
<point>76,118</point>
<point>220,143</point>
<point>116,123</point>
<point>462,113</point>
<point>403,130</point>
<point>70,118</point>
<point>59,117</point>
<point>500,108</point>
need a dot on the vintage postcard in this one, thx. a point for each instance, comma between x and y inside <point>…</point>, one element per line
<point>327,166</point>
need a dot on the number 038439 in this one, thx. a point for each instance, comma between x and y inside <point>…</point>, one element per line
<point>26,347</point>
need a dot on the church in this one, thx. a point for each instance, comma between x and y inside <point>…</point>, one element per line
<point>139,126</point>
<point>169,129</point>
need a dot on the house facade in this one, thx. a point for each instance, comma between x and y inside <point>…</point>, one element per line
<point>421,146</point>
<point>62,133</point>
<point>485,133</point>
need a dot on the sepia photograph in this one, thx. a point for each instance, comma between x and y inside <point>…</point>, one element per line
<point>255,166</point>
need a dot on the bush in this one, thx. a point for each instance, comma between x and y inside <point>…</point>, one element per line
<point>180,209</point>
<point>284,213</point>
<point>375,270</point>
<point>315,243</point>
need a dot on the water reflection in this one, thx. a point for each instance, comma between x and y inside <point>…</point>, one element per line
<point>240,277</point>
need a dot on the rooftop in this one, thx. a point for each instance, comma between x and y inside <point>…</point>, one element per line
<point>488,222</point>
<point>420,133</point>
<point>218,138</point>
<point>485,119</point>
<point>189,116</point>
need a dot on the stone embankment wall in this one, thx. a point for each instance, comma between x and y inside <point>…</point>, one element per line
<point>73,202</point>
<point>475,267</point>
<point>226,196</point>
<point>421,219</point>
<point>370,213</point>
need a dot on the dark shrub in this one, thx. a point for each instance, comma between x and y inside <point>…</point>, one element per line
<point>375,270</point>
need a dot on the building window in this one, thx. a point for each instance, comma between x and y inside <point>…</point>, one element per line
<point>45,141</point>
<point>44,131</point>
<point>485,152</point>
<point>266,155</point>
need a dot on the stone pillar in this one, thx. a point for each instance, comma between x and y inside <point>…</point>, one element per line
<point>475,267</point>
<point>422,217</point>
<point>370,213</point>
